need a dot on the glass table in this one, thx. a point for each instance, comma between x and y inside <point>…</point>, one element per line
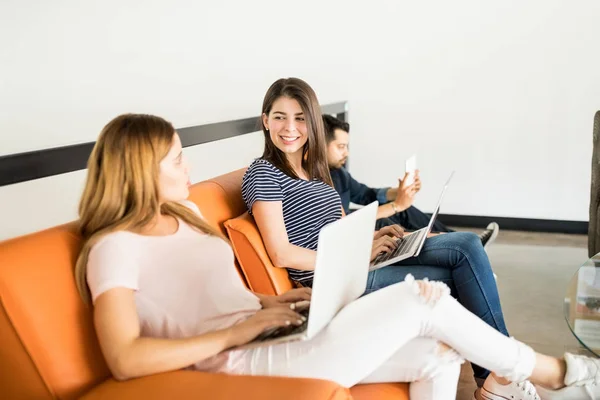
<point>582,304</point>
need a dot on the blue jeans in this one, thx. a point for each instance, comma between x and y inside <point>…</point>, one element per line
<point>459,260</point>
<point>412,219</point>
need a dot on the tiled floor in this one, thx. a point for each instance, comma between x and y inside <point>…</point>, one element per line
<point>533,271</point>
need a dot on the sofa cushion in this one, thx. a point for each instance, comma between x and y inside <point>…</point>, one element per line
<point>260,273</point>
<point>219,198</point>
<point>380,391</point>
<point>55,351</point>
<point>198,385</point>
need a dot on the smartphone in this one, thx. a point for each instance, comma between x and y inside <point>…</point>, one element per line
<point>410,167</point>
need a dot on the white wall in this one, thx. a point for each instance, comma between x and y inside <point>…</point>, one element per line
<point>54,200</point>
<point>503,93</point>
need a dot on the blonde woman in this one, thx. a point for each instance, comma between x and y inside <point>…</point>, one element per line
<point>166,295</point>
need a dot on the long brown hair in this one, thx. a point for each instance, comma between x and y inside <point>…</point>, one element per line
<point>121,190</point>
<point>314,152</point>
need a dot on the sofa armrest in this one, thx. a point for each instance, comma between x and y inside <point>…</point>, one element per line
<point>200,385</point>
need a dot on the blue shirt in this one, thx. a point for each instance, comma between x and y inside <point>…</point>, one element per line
<point>350,190</point>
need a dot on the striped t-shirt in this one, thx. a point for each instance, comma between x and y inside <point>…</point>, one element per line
<point>307,205</point>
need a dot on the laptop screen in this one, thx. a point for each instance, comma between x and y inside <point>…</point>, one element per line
<point>435,212</point>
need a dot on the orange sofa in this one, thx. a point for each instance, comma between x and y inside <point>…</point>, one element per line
<point>49,349</point>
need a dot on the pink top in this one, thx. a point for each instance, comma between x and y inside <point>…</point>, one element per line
<point>186,284</point>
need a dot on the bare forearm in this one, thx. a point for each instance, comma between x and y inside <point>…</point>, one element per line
<point>297,258</point>
<point>386,210</point>
<point>147,356</point>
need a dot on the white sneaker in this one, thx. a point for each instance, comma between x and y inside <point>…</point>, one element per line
<point>582,370</point>
<point>587,392</point>
<point>492,390</point>
<point>490,234</point>
<point>582,380</point>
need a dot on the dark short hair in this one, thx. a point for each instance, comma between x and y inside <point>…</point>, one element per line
<point>331,123</point>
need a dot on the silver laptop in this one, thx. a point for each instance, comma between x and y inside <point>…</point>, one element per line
<point>411,244</point>
<point>343,252</point>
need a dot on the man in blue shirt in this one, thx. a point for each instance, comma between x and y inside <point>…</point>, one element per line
<point>395,203</point>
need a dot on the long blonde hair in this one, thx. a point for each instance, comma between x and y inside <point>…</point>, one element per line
<point>121,190</point>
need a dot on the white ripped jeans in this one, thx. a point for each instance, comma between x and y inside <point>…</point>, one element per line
<point>394,335</point>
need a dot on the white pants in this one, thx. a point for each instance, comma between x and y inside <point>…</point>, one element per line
<point>393,335</point>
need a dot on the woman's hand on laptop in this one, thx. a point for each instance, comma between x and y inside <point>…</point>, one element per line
<point>393,231</point>
<point>383,244</point>
<point>287,299</point>
<point>274,317</point>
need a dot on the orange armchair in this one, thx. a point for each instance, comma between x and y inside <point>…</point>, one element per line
<point>49,348</point>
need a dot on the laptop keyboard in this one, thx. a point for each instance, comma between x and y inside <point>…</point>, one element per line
<point>404,244</point>
<point>275,333</point>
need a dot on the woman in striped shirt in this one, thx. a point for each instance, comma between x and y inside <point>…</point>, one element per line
<point>290,194</point>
